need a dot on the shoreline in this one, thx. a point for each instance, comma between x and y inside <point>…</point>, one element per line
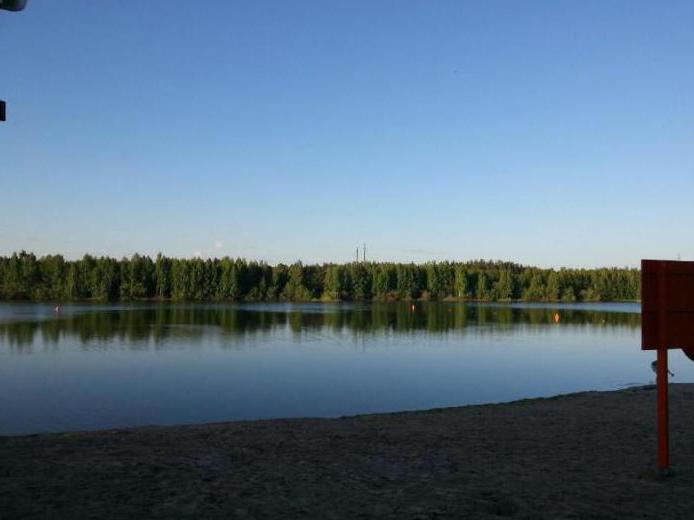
<point>316,300</point>
<point>581,455</point>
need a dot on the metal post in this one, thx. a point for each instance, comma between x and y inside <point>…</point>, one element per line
<point>661,377</point>
<point>663,433</point>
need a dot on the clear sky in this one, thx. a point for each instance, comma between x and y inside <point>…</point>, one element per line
<point>551,133</point>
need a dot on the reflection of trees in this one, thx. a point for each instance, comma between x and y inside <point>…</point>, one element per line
<point>19,334</point>
<point>189,322</point>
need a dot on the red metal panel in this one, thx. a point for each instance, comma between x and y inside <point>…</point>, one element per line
<point>667,302</point>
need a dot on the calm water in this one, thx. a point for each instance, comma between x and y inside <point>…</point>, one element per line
<point>98,366</point>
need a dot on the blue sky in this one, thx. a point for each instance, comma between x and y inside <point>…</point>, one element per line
<point>550,133</point>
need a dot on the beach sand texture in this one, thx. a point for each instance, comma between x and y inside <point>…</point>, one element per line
<point>583,456</point>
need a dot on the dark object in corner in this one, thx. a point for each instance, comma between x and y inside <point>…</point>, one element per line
<point>13,5</point>
<point>10,5</point>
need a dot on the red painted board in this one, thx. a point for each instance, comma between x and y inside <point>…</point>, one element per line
<point>667,302</point>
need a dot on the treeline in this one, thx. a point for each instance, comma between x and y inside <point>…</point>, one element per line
<point>23,276</point>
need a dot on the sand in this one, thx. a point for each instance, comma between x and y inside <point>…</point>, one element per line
<point>582,456</point>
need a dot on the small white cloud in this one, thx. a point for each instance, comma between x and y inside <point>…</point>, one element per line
<point>218,244</point>
<point>197,254</point>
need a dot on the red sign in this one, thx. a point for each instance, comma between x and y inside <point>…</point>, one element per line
<point>667,305</point>
<point>667,321</point>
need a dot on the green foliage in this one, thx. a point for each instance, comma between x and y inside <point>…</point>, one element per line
<point>407,281</point>
<point>334,284</point>
<point>384,281</point>
<point>361,281</point>
<point>440,278</point>
<point>482,287</point>
<point>23,276</point>
<point>296,290</point>
<point>503,288</point>
<point>162,276</point>
<point>461,282</point>
<point>535,291</point>
<point>552,290</point>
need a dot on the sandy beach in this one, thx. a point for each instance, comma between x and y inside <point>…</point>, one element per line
<point>585,455</point>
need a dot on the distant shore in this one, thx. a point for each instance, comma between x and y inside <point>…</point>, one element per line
<point>25,276</point>
<point>448,299</point>
<point>583,455</point>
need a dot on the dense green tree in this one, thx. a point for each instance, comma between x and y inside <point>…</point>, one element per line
<point>230,282</point>
<point>482,287</point>
<point>12,281</point>
<point>536,290</point>
<point>162,274</point>
<point>407,286</point>
<point>23,276</point>
<point>280,276</point>
<point>334,282</point>
<point>461,282</point>
<point>104,280</point>
<point>361,281</point>
<point>568,295</point>
<point>296,290</point>
<point>384,281</point>
<point>72,289</point>
<point>553,289</point>
<point>435,282</point>
<point>503,288</point>
<point>52,276</point>
<point>179,280</point>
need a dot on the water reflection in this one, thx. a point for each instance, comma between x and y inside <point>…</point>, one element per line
<point>161,323</point>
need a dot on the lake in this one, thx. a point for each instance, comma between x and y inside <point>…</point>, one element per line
<point>92,366</point>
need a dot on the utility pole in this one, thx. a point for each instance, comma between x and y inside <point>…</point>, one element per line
<point>357,254</point>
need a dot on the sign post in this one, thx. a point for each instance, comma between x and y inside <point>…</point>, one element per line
<point>667,322</point>
<point>663,418</point>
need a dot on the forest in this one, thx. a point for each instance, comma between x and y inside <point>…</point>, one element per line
<point>24,276</point>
